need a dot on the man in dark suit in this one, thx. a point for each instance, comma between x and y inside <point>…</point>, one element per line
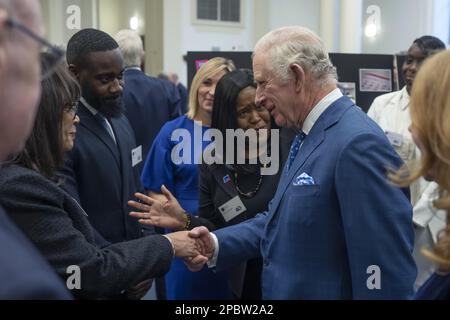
<point>150,102</point>
<point>173,77</point>
<point>101,170</point>
<point>336,228</point>
<point>24,274</point>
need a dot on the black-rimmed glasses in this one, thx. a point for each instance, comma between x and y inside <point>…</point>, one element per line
<point>55,54</point>
<point>72,109</point>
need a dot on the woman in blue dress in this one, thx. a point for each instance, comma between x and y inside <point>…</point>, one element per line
<point>173,162</point>
<point>430,129</point>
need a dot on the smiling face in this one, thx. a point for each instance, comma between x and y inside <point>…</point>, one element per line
<point>274,95</point>
<point>411,65</point>
<point>68,129</point>
<point>206,92</point>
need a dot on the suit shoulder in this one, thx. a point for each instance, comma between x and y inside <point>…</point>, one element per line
<point>11,173</point>
<point>16,180</point>
<point>355,123</point>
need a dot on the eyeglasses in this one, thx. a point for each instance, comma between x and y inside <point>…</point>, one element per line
<point>72,108</point>
<point>54,54</point>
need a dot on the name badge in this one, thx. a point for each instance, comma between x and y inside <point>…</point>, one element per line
<point>232,209</point>
<point>395,139</point>
<point>136,156</point>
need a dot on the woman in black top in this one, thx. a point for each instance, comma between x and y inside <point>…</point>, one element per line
<point>226,187</point>
<point>55,222</point>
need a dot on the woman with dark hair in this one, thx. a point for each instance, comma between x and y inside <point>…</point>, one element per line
<point>230,185</point>
<point>56,223</point>
<point>391,112</point>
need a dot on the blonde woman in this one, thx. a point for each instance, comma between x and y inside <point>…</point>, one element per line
<point>161,169</point>
<point>430,129</point>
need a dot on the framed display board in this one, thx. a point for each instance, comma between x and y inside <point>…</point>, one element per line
<point>362,77</point>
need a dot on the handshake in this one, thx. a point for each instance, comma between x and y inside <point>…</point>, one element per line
<point>195,247</point>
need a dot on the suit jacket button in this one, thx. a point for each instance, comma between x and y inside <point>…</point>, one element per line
<point>266,263</point>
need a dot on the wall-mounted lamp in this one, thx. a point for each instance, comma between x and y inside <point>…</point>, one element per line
<point>373,21</point>
<point>134,23</point>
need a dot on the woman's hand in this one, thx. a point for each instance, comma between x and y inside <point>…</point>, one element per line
<point>167,214</point>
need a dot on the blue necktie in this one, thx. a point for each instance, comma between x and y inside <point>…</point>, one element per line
<point>295,147</point>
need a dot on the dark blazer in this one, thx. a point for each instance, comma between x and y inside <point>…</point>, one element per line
<point>184,97</point>
<point>24,274</point>
<point>60,229</point>
<point>99,175</point>
<point>150,103</point>
<point>214,192</point>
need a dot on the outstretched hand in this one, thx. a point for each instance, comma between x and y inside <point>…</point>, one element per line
<point>168,214</point>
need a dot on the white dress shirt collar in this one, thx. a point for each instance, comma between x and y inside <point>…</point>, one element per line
<point>94,113</point>
<point>133,68</point>
<point>88,106</point>
<point>320,108</point>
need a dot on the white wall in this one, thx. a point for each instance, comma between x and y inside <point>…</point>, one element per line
<point>402,21</point>
<point>181,34</point>
<point>55,18</point>
<point>134,8</point>
<point>441,21</point>
<point>295,12</point>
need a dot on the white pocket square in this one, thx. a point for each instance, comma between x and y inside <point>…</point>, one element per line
<point>304,180</point>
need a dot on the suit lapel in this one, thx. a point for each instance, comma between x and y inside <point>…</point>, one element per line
<point>88,121</point>
<point>123,148</point>
<point>314,139</point>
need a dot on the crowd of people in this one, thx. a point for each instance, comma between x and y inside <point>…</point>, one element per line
<point>103,171</point>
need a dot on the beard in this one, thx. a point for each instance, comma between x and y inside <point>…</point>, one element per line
<point>109,106</point>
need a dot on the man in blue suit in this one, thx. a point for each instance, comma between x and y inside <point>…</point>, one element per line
<point>150,102</point>
<point>336,228</point>
<point>24,274</point>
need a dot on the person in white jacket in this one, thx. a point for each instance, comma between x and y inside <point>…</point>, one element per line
<point>391,112</point>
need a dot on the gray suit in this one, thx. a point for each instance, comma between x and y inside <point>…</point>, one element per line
<point>60,229</point>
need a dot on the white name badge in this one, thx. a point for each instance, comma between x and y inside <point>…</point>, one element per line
<point>136,156</point>
<point>232,209</point>
<point>395,139</point>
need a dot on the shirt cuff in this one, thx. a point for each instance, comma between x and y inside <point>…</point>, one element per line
<point>213,261</point>
<point>171,243</point>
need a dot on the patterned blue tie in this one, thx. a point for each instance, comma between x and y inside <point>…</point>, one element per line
<point>295,147</point>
